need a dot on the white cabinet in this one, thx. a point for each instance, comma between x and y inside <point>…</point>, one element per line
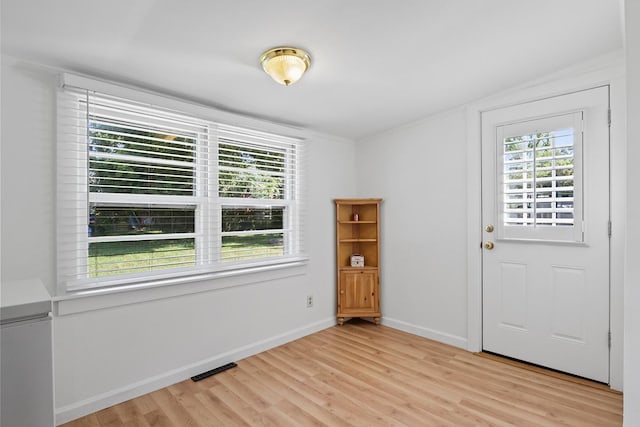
<point>26,393</point>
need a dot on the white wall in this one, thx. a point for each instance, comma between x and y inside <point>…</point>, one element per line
<point>632,273</point>
<point>108,355</point>
<point>28,171</point>
<point>420,172</point>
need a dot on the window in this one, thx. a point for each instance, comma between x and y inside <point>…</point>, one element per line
<point>541,178</point>
<point>148,193</point>
<point>249,173</point>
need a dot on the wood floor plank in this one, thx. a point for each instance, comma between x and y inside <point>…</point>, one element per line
<point>221,411</point>
<point>109,417</point>
<point>298,415</point>
<point>292,396</point>
<point>136,422</point>
<point>249,394</point>
<point>432,404</point>
<point>556,388</point>
<point>172,408</point>
<point>377,371</point>
<point>186,395</point>
<point>343,406</point>
<point>296,387</point>
<point>144,404</point>
<point>361,374</point>
<point>88,421</point>
<point>128,412</point>
<point>530,367</point>
<point>240,407</point>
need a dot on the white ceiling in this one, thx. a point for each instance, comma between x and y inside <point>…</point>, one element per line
<point>376,64</point>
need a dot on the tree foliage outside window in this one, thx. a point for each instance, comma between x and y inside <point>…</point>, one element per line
<point>250,172</point>
<point>127,158</point>
<point>247,171</point>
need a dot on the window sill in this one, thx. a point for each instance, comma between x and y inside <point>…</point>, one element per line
<point>97,299</point>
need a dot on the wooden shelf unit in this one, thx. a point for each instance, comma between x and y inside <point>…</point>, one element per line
<point>358,232</point>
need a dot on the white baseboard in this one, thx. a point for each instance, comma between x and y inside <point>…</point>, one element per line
<point>443,337</point>
<point>79,409</point>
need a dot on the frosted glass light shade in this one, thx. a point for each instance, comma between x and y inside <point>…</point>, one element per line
<point>285,65</point>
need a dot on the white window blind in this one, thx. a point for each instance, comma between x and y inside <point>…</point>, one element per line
<point>147,193</point>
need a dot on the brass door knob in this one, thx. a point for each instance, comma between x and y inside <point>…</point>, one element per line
<point>488,228</point>
<point>488,245</point>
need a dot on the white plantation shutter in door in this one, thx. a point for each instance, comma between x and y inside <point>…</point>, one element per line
<point>540,169</point>
<point>145,193</point>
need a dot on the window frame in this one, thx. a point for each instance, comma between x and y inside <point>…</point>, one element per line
<point>74,277</point>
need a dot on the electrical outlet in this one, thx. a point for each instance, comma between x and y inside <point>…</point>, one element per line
<point>309,301</point>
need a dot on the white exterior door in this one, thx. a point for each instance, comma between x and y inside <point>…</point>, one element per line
<point>545,212</point>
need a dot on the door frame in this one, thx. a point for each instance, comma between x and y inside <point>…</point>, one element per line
<point>611,73</point>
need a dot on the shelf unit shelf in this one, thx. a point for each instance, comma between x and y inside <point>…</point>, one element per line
<point>365,268</point>
<point>358,287</point>
<point>356,222</point>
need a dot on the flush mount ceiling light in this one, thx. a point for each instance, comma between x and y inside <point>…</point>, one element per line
<point>285,64</point>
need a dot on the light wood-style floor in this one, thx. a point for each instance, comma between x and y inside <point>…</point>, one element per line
<point>365,375</point>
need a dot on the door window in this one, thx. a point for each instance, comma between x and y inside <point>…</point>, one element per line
<point>539,171</point>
